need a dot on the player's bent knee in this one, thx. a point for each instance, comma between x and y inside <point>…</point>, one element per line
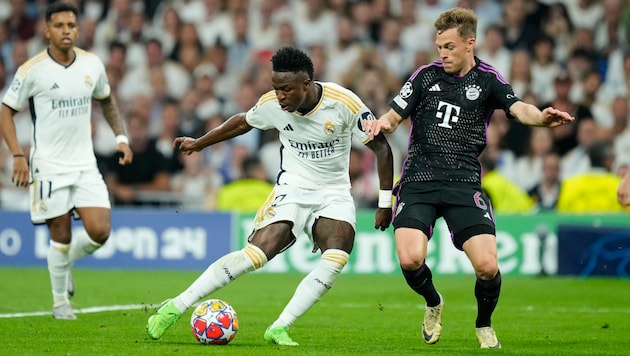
<point>487,269</point>
<point>410,262</point>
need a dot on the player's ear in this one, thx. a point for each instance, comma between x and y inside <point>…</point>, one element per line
<point>471,44</point>
<point>307,83</point>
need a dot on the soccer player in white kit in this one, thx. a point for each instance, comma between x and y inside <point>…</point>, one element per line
<point>316,122</point>
<point>59,84</point>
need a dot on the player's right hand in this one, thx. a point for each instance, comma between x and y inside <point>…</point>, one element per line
<point>20,172</point>
<point>383,218</point>
<point>185,144</point>
<point>126,155</point>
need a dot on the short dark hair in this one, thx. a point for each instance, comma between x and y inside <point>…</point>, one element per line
<point>601,154</point>
<point>60,7</point>
<point>291,59</point>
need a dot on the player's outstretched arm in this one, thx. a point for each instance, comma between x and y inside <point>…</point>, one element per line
<point>623,192</point>
<point>385,169</point>
<point>234,126</point>
<point>530,115</point>
<point>387,123</point>
<point>112,116</point>
<point>19,176</point>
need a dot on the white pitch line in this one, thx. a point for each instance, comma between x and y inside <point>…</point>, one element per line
<point>82,310</point>
<point>529,308</point>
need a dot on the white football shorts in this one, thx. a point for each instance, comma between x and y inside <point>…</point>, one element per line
<point>54,195</point>
<point>303,207</point>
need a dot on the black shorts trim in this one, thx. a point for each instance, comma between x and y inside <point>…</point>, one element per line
<point>460,237</point>
<point>413,224</point>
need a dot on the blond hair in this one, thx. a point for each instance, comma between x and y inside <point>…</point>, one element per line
<point>464,20</point>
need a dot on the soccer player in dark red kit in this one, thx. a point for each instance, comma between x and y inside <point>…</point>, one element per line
<point>450,103</point>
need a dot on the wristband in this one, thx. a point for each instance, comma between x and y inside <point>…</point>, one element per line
<point>18,155</point>
<point>385,199</point>
<point>122,139</point>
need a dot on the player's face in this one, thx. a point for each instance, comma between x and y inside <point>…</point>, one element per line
<point>455,51</point>
<point>62,30</point>
<point>291,89</point>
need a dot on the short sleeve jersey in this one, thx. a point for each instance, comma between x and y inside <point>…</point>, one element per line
<point>60,102</point>
<point>449,117</point>
<point>315,147</point>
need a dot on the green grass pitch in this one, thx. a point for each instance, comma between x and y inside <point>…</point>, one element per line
<point>361,315</point>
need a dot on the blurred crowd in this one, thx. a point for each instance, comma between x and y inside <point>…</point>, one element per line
<point>181,67</point>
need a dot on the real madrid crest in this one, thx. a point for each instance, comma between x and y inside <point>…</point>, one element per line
<point>329,128</point>
<point>473,92</point>
<point>88,81</point>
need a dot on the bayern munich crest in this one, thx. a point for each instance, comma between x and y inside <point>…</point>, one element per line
<point>473,92</point>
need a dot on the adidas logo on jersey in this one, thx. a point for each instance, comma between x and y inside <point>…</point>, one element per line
<point>288,128</point>
<point>436,87</point>
<point>54,86</point>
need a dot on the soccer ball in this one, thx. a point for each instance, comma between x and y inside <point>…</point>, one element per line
<point>214,322</point>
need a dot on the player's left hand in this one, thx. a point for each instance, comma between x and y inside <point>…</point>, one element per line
<point>383,218</point>
<point>126,156</point>
<point>554,117</point>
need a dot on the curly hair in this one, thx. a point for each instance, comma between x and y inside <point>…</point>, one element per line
<point>464,20</point>
<point>290,59</point>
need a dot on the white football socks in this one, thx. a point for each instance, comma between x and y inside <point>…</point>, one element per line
<point>82,246</point>
<point>58,267</point>
<point>313,286</point>
<point>220,273</point>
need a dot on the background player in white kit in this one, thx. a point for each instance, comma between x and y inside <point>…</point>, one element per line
<point>316,122</point>
<point>59,84</point>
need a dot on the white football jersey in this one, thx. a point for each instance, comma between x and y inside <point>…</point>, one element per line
<point>60,102</point>
<point>315,151</point>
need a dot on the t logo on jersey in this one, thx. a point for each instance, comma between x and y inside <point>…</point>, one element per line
<point>448,115</point>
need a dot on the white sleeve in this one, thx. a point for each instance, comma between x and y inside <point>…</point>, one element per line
<point>18,92</point>
<point>358,131</point>
<point>260,117</point>
<point>102,89</point>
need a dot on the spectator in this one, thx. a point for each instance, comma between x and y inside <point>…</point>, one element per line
<point>363,178</point>
<point>247,194</point>
<point>493,50</point>
<point>345,52</point>
<point>133,184</point>
<point>315,25</point>
<point>545,194</point>
<point>527,170</point>
<point>197,185</point>
<point>610,33</point>
<point>577,161</point>
<point>594,191</point>
<point>557,24</point>
<point>520,74</point>
<point>519,34</point>
<point>505,196</point>
<point>565,136</point>
<point>136,80</point>
<point>586,13</point>
<point>543,68</point>
<point>187,40</point>
<point>169,129</point>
